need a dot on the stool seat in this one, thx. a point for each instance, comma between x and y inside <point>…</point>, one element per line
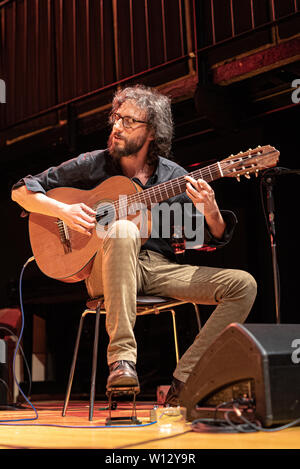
<point>140,300</point>
<point>145,305</point>
<point>153,299</point>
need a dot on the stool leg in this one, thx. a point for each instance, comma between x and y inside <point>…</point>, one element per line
<point>175,335</point>
<point>73,365</point>
<point>94,366</point>
<point>197,315</point>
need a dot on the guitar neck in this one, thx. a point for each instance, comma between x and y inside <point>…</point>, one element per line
<point>168,189</point>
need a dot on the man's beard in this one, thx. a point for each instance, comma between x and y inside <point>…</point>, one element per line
<point>130,147</point>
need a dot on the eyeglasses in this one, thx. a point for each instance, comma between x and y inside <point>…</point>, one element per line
<point>127,121</point>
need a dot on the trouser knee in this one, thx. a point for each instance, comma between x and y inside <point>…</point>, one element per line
<point>243,286</point>
<point>248,283</point>
<point>122,232</point>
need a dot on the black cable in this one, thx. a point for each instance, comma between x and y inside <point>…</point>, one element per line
<point>259,427</point>
<point>23,355</point>
<point>2,381</point>
<point>227,425</point>
<point>221,425</point>
<point>240,428</point>
<point>222,405</point>
<point>7,422</point>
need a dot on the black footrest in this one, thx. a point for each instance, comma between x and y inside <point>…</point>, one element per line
<point>122,421</point>
<point>123,390</point>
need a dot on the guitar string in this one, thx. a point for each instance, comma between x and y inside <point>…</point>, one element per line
<point>203,173</point>
<point>177,185</point>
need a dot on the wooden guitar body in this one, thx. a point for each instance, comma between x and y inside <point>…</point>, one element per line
<point>67,255</point>
<point>71,261</point>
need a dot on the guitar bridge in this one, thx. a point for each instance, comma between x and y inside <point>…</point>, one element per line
<point>64,236</point>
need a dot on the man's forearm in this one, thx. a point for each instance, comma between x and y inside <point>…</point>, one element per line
<point>37,202</point>
<point>78,216</point>
<point>216,224</point>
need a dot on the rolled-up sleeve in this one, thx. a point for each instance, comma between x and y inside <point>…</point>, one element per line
<point>31,182</point>
<point>211,242</point>
<point>66,174</point>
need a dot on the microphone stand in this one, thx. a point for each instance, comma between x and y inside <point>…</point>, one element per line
<point>269,182</point>
<point>269,179</point>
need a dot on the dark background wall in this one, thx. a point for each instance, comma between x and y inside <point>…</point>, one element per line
<point>65,62</point>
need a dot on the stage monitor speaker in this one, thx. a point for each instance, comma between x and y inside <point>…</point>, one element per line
<point>3,373</point>
<point>257,362</point>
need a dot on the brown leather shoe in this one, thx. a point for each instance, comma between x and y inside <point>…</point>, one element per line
<point>122,373</point>
<point>172,397</point>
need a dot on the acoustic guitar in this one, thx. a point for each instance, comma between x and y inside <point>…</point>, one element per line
<point>67,255</point>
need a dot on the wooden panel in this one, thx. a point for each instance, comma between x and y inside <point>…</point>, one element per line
<point>27,55</point>
<point>227,19</point>
<point>53,51</point>
<point>51,430</point>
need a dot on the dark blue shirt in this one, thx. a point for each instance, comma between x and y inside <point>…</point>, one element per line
<point>90,169</point>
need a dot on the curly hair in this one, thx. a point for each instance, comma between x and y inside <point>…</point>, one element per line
<point>159,116</point>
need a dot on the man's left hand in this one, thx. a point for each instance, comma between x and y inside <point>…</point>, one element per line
<point>203,197</point>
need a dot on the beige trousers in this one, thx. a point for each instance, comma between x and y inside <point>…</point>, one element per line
<point>121,270</point>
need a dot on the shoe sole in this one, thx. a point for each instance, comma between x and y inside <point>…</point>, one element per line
<point>121,382</point>
<point>122,391</point>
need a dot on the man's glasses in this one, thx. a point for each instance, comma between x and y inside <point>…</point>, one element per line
<point>127,121</point>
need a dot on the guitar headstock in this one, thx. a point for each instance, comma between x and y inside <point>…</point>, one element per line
<point>249,162</point>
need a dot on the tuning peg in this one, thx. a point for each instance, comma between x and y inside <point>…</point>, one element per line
<point>256,173</point>
<point>247,175</point>
<point>238,177</point>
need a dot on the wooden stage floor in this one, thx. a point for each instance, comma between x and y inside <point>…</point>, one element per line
<point>74,431</point>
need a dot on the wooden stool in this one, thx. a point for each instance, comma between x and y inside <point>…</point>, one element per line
<point>145,305</point>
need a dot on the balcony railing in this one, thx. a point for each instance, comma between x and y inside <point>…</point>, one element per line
<point>60,52</point>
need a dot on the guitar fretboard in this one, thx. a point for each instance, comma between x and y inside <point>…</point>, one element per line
<point>168,189</point>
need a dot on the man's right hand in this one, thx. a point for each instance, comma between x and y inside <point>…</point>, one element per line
<point>79,217</point>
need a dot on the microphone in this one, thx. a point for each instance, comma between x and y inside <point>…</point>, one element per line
<point>279,171</point>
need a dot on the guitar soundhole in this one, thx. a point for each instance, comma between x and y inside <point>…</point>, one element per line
<point>106,214</point>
